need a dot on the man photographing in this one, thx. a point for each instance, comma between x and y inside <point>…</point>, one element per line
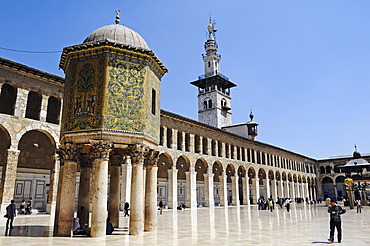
<point>335,212</point>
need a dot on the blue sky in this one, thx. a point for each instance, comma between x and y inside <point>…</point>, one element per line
<point>303,66</point>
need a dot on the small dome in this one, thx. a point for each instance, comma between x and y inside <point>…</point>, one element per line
<point>119,34</point>
<point>356,155</point>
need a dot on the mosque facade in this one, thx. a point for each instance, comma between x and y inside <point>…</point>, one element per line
<point>99,132</point>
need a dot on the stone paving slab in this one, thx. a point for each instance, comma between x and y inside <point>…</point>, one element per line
<point>303,225</point>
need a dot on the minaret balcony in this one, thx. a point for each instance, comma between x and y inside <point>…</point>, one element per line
<point>212,74</point>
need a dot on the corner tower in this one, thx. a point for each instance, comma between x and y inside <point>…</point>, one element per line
<point>214,100</point>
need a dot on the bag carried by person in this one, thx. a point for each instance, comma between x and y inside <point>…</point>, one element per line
<point>6,216</point>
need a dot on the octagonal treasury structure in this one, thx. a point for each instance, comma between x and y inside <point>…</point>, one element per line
<point>112,89</point>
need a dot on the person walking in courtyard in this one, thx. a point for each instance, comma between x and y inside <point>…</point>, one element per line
<point>287,204</point>
<point>358,205</point>
<point>29,207</point>
<point>126,208</point>
<point>335,212</point>
<point>161,206</point>
<point>10,214</point>
<point>270,204</point>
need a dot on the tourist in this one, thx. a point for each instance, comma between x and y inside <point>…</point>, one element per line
<point>287,204</point>
<point>110,227</point>
<point>76,224</point>
<point>335,212</point>
<point>29,206</point>
<point>271,204</point>
<point>10,214</point>
<point>126,209</point>
<point>358,205</point>
<point>22,206</point>
<point>161,206</point>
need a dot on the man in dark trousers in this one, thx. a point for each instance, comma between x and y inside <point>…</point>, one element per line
<point>126,208</point>
<point>10,214</point>
<point>335,212</point>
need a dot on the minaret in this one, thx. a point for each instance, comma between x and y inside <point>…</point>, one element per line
<point>214,100</point>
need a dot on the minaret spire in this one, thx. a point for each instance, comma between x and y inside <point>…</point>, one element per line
<point>211,58</point>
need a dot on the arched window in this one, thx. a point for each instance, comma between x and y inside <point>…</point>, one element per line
<point>209,64</point>
<point>322,170</point>
<point>53,110</point>
<point>205,104</point>
<point>223,102</point>
<point>8,97</point>
<point>33,105</point>
<point>328,169</point>
<point>210,103</point>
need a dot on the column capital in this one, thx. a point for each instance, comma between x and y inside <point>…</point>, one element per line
<point>152,157</point>
<point>137,153</point>
<point>68,152</point>
<point>100,149</point>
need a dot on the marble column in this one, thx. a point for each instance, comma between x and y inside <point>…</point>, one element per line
<point>209,200</point>
<point>63,225</point>
<point>235,191</point>
<point>255,187</point>
<point>307,190</point>
<point>114,189</point>
<point>99,186</point>
<point>245,182</point>
<point>8,178</point>
<point>53,188</point>
<point>126,169</point>
<point>286,189</point>
<point>267,187</point>
<point>274,190</point>
<point>172,187</point>
<point>137,153</point>
<point>150,214</point>
<point>283,194</point>
<point>83,207</point>
<point>292,190</point>
<point>191,188</point>
<point>223,189</point>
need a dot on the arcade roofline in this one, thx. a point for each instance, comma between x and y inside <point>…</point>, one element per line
<point>30,70</point>
<point>187,120</point>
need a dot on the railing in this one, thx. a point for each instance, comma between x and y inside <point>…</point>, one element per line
<point>212,74</point>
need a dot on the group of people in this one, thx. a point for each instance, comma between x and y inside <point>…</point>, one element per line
<point>266,204</point>
<point>26,208</point>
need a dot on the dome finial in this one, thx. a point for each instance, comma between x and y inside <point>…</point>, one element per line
<point>355,147</point>
<point>251,116</point>
<point>118,12</point>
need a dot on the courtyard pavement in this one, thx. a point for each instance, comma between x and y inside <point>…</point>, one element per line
<point>303,225</point>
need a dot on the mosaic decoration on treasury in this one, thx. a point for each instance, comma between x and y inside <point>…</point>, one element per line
<point>112,92</point>
<point>84,96</point>
<point>125,108</point>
